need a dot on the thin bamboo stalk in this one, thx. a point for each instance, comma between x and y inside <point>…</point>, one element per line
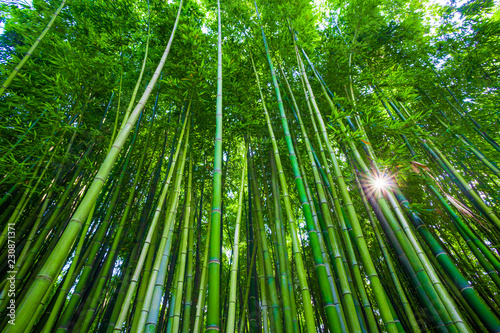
<point>32,49</point>
<point>231,317</point>
<point>213,313</point>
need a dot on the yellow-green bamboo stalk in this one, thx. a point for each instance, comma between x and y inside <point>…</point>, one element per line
<point>231,312</point>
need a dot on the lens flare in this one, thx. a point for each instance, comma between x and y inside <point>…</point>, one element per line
<point>378,183</point>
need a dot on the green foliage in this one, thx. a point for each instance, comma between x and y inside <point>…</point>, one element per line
<point>395,69</point>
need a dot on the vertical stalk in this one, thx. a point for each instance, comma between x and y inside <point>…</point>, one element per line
<point>231,317</point>
<point>213,315</point>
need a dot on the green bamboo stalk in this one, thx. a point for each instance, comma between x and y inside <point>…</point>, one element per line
<point>112,310</point>
<point>473,320</point>
<point>253,296</point>
<point>277,263</point>
<point>67,280</point>
<point>326,250</point>
<point>444,304</point>
<point>148,308</point>
<point>490,214</point>
<point>186,317</point>
<point>146,274</point>
<point>416,256</point>
<point>361,243</point>
<point>213,310</point>
<point>200,304</point>
<point>267,317</point>
<point>115,126</point>
<point>243,310</point>
<point>175,295</point>
<point>326,292</point>
<point>109,323</point>
<point>466,290</point>
<point>147,318</point>
<point>110,259</point>
<point>288,297</point>
<point>306,296</point>
<point>94,249</point>
<point>143,287</point>
<point>199,263</point>
<point>440,326</point>
<point>390,265</point>
<point>231,316</point>
<point>183,254</point>
<point>99,236</point>
<point>275,313</point>
<point>448,302</point>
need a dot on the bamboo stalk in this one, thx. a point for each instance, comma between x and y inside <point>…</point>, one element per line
<point>231,317</point>
<point>213,313</point>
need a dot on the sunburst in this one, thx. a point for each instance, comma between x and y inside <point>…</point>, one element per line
<point>378,182</point>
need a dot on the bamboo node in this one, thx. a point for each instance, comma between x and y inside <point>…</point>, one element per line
<point>45,277</point>
<point>99,178</point>
<point>440,253</point>
<point>213,327</point>
<point>468,287</point>
<point>77,220</point>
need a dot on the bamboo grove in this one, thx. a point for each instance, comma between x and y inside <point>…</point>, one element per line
<point>238,166</point>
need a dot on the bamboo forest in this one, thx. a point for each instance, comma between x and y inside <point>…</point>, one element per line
<point>250,166</point>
